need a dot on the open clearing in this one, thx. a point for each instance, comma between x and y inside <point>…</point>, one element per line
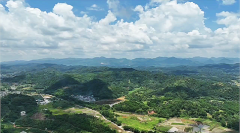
<point>141,122</point>
<point>80,110</point>
<point>134,90</point>
<point>110,101</point>
<point>182,123</point>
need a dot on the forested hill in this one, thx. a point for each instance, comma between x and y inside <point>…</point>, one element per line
<point>106,83</point>
<point>123,62</point>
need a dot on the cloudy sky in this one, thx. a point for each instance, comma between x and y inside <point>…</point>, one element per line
<point>34,29</point>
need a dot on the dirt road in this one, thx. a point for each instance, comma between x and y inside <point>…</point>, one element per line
<point>98,115</point>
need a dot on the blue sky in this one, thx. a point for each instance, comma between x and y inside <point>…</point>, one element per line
<point>119,28</point>
<point>210,7</point>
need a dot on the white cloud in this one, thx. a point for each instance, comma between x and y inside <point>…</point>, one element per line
<point>228,18</point>
<point>230,34</point>
<point>119,10</point>
<point>82,12</point>
<point>63,9</point>
<point>108,19</point>
<point>94,7</point>
<point>158,1</point>
<point>113,4</point>
<point>139,8</point>
<point>228,2</point>
<point>173,17</point>
<point>167,29</point>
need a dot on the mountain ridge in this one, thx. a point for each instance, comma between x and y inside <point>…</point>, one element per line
<point>124,62</point>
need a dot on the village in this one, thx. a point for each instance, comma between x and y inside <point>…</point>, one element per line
<point>9,75</point>
<point>84,98</point>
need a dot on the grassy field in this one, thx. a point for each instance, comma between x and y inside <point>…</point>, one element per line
<point>27,88</point>
<point>10,129</point>
<point>212,124</point>
<point>141,122</point>
<point>59,111</point>
<point>136,89</point>
<point>163,128</point>
<point>76,110</point>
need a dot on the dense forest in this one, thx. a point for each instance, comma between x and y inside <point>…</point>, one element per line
<point>13,104</point>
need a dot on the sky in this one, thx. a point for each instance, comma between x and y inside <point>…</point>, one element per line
<point>36,29</point>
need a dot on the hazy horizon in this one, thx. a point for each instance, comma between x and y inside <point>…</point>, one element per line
<point>123,58</point>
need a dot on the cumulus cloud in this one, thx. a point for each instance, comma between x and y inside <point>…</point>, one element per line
<point>82,12</point>
<point>228,2</point>
<point>119,10</point>
<point>94,7</point>
<point>230,33</point>
<point>166,29</point>
<point>63,9</point>
<point>174,17</point>
<point>158,1</point>
<point>139,8</point>
<point>228,18</point>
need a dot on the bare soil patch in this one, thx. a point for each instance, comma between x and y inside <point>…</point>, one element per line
<point>110,101</point>
<point>38,116</point>
<point>188,121</point>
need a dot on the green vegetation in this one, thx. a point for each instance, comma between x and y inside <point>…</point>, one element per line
<point>58,113</point>
<point>198,108</point>
<point>134,90</point>
<point>7,128</point>
<point>142,123</point>
<point>137,107</point>
<point>188,129</point>
<point>60,108</point>
<point>68,123</point>
<point>13,104</point>
<point>210,95</point>
<point>163,128</point>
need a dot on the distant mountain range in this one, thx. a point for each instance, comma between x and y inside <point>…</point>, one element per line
<point>113,62</point>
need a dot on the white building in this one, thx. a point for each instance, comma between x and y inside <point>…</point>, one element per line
<point>23,113</point>
<point>46,101</point>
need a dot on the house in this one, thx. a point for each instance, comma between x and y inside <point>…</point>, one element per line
<point>23,132</point>
<point>23,113</point>
<point>46,101</point>
<point>173,130</point>
<point>47,97</point>
<point>13,87</point>
<point>39,100</point>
